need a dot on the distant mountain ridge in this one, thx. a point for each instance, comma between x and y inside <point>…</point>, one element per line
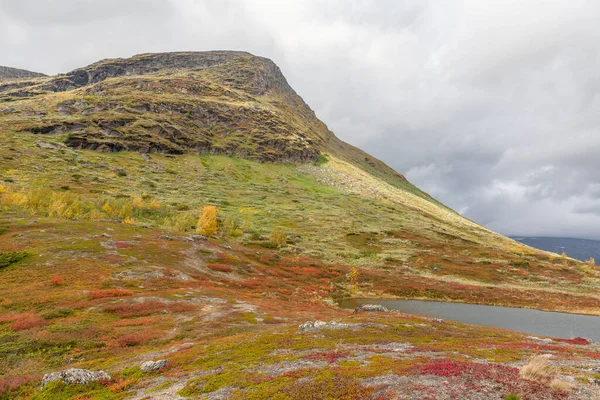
<point>580,249</point>
<point>7,73</point>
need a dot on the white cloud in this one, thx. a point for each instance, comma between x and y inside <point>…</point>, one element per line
<point>491,106</point>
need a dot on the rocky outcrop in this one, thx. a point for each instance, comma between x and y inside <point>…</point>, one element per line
<point>371,308</point>
<point>308,325</point>
<point>267,77</point>
<point>154,365</point>
<point>75,376</point>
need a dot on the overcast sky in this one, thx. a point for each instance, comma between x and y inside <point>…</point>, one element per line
<point>490,106</point>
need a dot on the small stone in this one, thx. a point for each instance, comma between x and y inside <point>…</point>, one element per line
<point>371,308</point>
<point>46,145</point>
<point>308,325</point>
<point>106,235</point>
<point>154,365</point>
<point>73,376</point>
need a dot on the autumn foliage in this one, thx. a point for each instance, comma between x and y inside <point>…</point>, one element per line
<point>100,294</point>
<point>207,223</point>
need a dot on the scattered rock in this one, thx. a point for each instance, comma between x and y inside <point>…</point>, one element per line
<point>73,376</point>
<point>308,325</point>
<point>154,365</point>
<point>540,340</point>
<point>46,145</point>
<point>106,235</point>
<point>371,308</point>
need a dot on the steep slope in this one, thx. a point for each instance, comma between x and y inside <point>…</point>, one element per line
<point>169,107</point>
<point>209,103</point>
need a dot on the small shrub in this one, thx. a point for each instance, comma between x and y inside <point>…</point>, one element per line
<point>10,257</point>
<point>27,321</point>
<point>353,278</point>
<point>57,280</point>
<point>578,341</point>
<point>132,340</point>
<point>327,386</point>
<point>147,308</point>
<point>121,385</point>
<point>591,262</point>
<point>559,384</point>
<point>10,383</point>
<point>59,313</point>
<point>536,368</point>
<point>278,237</point>
<point>321,159</point>
<point>207,223</point>
<point>512,396</point>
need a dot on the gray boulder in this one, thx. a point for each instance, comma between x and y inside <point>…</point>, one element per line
<point>371,308</point>
<point>154,365</point>
<point>73,376</point>
<point>308,325</point>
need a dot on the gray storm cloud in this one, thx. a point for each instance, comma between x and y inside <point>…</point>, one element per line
<point>490,106</point>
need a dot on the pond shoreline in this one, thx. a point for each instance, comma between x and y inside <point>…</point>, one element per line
<point>524,320</point>
<point>459,301</point>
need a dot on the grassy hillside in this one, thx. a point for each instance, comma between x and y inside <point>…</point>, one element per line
<point>104,173</point>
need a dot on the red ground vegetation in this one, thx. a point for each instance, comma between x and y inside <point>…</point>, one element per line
<point>220,267</point>
<point>101,294</point>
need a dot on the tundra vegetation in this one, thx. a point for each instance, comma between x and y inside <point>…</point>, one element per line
<point>212,261</point>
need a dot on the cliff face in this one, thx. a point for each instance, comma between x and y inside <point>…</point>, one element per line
<point>266,76</point>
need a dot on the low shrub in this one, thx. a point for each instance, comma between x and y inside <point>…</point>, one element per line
<point>132,340</point>
<point>10,257</point>
<point>147,308</point>
<point>220,267</point>
<point>10,383</point>
<point>101,294</point>
<point>58,313</point>
<point>578,341</point>
<point>536,368</point>
<point>57,280</point>
<point>27,321</point>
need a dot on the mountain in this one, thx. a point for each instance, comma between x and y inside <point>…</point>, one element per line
<point>580,249</point>
<point>8,73</point>
<point>110,173</point>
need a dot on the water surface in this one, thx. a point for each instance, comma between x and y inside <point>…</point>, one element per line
<point>534,322</point>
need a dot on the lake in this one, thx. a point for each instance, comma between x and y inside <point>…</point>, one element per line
<point>562,325</point>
